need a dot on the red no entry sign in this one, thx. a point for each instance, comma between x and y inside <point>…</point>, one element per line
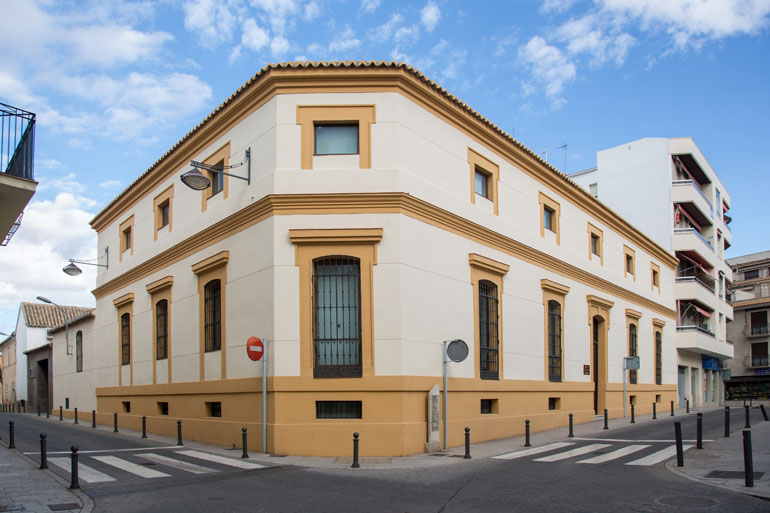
<point>255,348</point>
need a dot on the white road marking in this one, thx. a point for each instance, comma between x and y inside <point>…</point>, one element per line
<point>574,452</point>
<point>534,450</point>
<point>638,441</point>
<point>86,473</point>
<point>133,468</point>
<point>132,449</point>
<point>623,451</point>
<point>171,462</point>
<point>221,460</point>
<point>657,457</point>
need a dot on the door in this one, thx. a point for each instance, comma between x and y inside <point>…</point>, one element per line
<point>682,385</point>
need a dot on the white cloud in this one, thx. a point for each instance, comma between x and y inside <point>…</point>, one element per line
<point>66,183</point>
<point>558,6</point>
<point>214,22</point>
<point>594,36</point>
<point>254,37</point>
<point>279,46</point>
<point>369,5</point>
<point>48,164</point>
<point>109,184</point>
<point>312,10</point>
<point>430,16</point>
<point>345,41</point>
<point>407,35</point>
<point>383,32</point>
<point>548,65</point>
<point>279,12</point>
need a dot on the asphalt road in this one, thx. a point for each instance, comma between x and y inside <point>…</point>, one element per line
<point>483,484</point>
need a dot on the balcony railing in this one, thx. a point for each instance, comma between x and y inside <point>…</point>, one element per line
<point>693,230</point>
<point>690,182</point>
<point>17,142</point>
<point>702,329</point>
<point>756,329</point>
<point>751,362</point>
<point>699,278</point>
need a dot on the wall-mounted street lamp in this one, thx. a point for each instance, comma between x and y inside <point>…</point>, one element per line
<point>66,321</point>
<point>194,179</point>
<point>73,270</point>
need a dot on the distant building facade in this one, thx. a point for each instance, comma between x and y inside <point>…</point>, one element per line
<point>667,189</point>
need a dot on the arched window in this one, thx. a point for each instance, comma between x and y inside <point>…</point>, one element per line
<point>161,330</point>
<point>79,351</point>
<point>658,358</point>
<point>632,351</point>
<point>125,339</point>
<point>488,330</point>
<point>212,304</point>
<point>554,341</point>
<point>336,316</point>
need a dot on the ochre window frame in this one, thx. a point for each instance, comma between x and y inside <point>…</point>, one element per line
<point>593,231</point>
<point>212,268</point>
<point>158,291</point>
<point>553,205</point>
<point>221,155</point>
<point>310,115</point>
<point>483,268</point>
<point>626,253</point>
<point>359,243</point>
<point>125,305</point>
<point>657,327</point>
<point>128,224</point>
<point>165,196</point>
<point>632,319</point>
<point>654,268</point>
<point>553,291</point>
<point>479,162</point>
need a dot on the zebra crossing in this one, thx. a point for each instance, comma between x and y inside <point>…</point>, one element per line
<point>560,451</point>
<point>114,468</point>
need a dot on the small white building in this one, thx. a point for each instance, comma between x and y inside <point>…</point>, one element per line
<point>74,372</point>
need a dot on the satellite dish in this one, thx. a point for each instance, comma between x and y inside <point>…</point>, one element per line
<point>457,350</point>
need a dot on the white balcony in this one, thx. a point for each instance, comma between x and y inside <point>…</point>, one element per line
<point>688,239</point>
<point>685,192</point>
<point>698,340</point>
<point>690,287</point>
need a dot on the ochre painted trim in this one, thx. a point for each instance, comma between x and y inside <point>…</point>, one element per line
<point>653,269</point>
<point>599,302</point>
<point>157,286</point>
<point>554,292</point>
<point>336,236</point>
<point>489,168</point>
<point>626,253</point>
<point>221,155</point>
<point>123,300</point>
<point>211,263</point>
<point>126,307</point>
<point>593,230</point>
<point>160,199</point>
<point>309,115</point>
<point>126,225</point>
<point>553,287</point>
<point>554,206</point>
<point>384,203</point>
<point>487,264</point>
<point>658,322</point>
<point>633,314</point>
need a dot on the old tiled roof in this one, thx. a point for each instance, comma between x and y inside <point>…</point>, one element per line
<point>74,320</point>
<point>751,302</point>
<point>39,315</point>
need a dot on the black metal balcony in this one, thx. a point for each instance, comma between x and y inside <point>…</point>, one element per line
<point>17,142</point>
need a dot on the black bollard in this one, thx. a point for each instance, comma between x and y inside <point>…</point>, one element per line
<point>605,419</point>
<point>115,422</point>
<point>74,484</point>
<point>93,418</point>
<point>355,452</point>
<point>764,412</point>
<point>571,435</point>
<point>748,461</point>
<point>526,434</point>
<point>179,432</point>
<point>61,413</point>
<point>687,405</point>
<point>633,418</point>
<point>748,417</point>
<point>727,421</point>
<point>43,452</point>
<point>144,426</point>
<point>467,444</point>
<point>11,445</point>
<point>654,411</point>
<point>699,431</point>
<point>672,408</point>
<point>245,450</point>
<point>679,448</point>
<point>76,415</point>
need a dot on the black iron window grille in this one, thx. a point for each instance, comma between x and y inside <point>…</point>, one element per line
<point>489,343</point>
<point>658,359</point>
<point>212,323</point>
<point>79,351</point>
<point>161,330</point>
<point>632,351</point>
<point>214,409</point>
<point>554,341</point>
<point>487,407</point>
<point>338,409</point>
<point>125,339</point>
<point>336,317</point>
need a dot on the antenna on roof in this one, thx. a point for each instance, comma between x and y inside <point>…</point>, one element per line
<point>545,153</point>
<point>564,147</point>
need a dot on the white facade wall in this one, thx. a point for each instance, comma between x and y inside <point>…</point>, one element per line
<point>26,338</point>
<point>78,387</point>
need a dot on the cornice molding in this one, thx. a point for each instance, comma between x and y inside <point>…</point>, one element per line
<point>211,263</point>
<point>552,286</point>
<point>633,314</point>
<point>487,264</point>
<point>123,300</point>
<point>336,236</point>
<point>160,285</point>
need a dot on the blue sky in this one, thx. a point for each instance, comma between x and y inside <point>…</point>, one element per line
<point>116,83</point>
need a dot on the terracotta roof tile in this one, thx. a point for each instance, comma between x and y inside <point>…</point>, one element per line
<point>751,302</point>
<point>40,315</point>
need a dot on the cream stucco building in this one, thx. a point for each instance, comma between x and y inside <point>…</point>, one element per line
<point>382,217</point>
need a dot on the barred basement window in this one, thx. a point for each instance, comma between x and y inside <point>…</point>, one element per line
<point>163,407</point>
<point>553,403</point>
<point>336,317</point>
<point>488,333</point>
<point>488,406</point>
<point>214,409</point>
<point>338,409</point>
<point>126,406</point>
<point>212,325</point>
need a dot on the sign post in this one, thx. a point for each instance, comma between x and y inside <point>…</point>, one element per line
<point>457,351</point>
<point>256,349</point>
<point>629,363</point>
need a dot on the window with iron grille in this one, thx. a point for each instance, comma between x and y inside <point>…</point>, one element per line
<point>125,339</point>
<point>161,330</point>
<point>214,408</point>
<point>488,406</point>
<point>79,351</point>
<point>336,317</point>
<point>212,324</point>
<point>658,358</point>
<point>489,342</point>
<point>554,341</point>
<point>338,409</point>
<point>632,351</point>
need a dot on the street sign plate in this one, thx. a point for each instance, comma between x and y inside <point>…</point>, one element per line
<point>457,350</point>
<point>255,348</point>
<point>632,362</point>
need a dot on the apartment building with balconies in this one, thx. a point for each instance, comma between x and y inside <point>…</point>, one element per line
<point>667,188</point>
<point>17,163</point>
<point>750,328</point>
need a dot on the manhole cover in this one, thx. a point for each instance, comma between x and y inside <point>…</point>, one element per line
<point>731,474</point>
<point>64,506</point>
<point>687,502</point>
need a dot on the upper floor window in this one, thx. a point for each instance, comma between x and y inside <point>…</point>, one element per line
<point>161,330</point>
<point>629,262</point>
<point>658,358</point>
<point>163,204</point>
<point>482,183</point>
<point>550,211</point>
<point>126,237</point>
<point>633,350</point>
<point>125,339</point>
<point>554,341</point>
<point>548,219</point>
<point>212,325</point>
<point>336,139</point>
<point>79,351</point>
<point>488,330</point>
<point>595,243</point>
<point>337,317</point>
<point>751,275</point>
<point>655,276</point>
<point>217,179</point>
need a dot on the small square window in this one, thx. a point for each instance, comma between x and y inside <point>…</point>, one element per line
<point>336,139</point>
<point>217,179</point>
<point>163,407</point>
<point>126,406</point>
<point>488,406</point>
<point>164,209</point>
<point>554,403</point>
<point>594,244</point>
<point>214,409</point>
<point>629,264</point>
<point>548,214</point>
<point>632,400</point>
<point>482,184</point>
<point>657,398</point>
<point>127,239</point>
<point>655,278</point>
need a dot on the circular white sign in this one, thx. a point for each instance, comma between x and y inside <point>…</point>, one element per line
<point>457,350</point>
